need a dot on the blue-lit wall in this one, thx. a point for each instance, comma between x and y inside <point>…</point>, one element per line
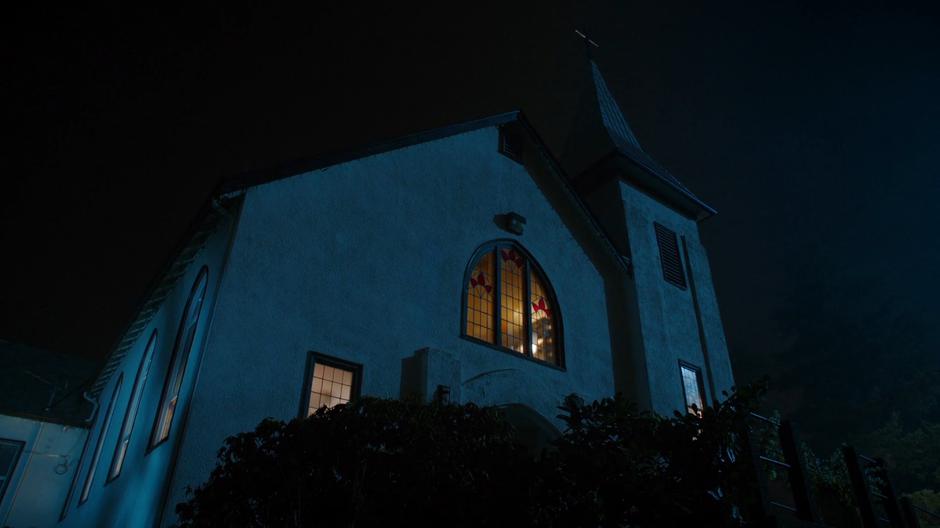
<point>670,324</point>
<point>135,497</point>
<point>43,470</point>
<point>365,261</point>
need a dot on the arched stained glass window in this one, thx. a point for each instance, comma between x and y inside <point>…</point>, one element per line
<point>509,303</point>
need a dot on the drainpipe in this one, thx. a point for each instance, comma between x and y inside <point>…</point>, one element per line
<point>94,406</point>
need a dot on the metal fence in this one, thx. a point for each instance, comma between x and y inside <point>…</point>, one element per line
<point>784,493</point>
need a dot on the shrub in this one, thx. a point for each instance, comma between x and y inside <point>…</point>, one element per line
<point>379,462</point>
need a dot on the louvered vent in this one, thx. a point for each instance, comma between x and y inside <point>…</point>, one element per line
<point>669,256</point>
<point>510,144</point>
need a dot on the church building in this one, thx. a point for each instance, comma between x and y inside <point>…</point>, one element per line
<point>466,264</point>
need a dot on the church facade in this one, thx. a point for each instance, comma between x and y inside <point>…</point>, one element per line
<point>464,264</point>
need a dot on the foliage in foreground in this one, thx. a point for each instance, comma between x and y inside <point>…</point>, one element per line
<point>379,461</point>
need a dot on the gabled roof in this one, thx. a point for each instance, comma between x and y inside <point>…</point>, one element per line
<point>230,189</point>
<point>601,134</point>
<point>302,165</point>
<point>41,385</point>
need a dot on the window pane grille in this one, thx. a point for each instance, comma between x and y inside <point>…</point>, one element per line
<point>481,300</point>
<point>542,324</point>
<point>331,386</point>
<point>512,307</point>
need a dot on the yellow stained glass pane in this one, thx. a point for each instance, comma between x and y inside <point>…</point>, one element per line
<point>512,309</point>
<point>481,300</point>
<point>542,324</point>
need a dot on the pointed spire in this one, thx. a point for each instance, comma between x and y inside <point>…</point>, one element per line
<point>600,134</point>
<point>611,116</point>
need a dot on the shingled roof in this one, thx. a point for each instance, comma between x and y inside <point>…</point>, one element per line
<point>601,135</point>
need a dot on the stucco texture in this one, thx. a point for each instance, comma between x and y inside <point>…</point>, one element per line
<point>365,261</point>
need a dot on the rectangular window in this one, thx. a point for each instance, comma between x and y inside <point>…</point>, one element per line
<point>330,382</point>
<point>692,388</point>
<point>669,256</point>
<point>9,455</point>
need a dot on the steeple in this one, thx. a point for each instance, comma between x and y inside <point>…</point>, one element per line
<point>611,116</point>
<point>601,143</point>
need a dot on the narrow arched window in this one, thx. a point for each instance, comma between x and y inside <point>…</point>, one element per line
<point>130,414</point>
<point>185,336</point>
<point>509,303</point>
<point>102,436</point>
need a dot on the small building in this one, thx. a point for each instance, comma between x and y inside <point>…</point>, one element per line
<point>44,422</point>
<point>464,263</point>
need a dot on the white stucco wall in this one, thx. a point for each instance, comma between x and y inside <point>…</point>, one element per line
<point>43,472</point>
<point>136,496</point>
<point>669,322</point>
<point>365,261</point>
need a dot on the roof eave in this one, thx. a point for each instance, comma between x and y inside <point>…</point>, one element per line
<point>303,165</point>
<point>650,179</point>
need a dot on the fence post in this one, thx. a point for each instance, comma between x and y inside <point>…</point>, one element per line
<point>799,481</point>
<point>890,500</point>
<point>910,515</point>
<point>759,510</point>
<point>859,487</point>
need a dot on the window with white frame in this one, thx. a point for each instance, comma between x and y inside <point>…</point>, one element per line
<point>693,388</point>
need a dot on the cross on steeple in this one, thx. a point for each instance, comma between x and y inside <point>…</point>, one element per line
<point>587,42</point>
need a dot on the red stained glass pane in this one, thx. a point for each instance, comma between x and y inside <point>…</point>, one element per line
<point>481,300</point>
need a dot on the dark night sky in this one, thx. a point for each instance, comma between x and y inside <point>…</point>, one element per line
<point>813,130</point>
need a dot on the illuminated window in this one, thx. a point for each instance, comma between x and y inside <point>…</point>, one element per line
<point>9,454</point>
<point>692,388</point>
<point>130,415</point>
<point>508,303</point>
<point>102,436</point>
<point>178,360</point>
<point>331,382</point>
